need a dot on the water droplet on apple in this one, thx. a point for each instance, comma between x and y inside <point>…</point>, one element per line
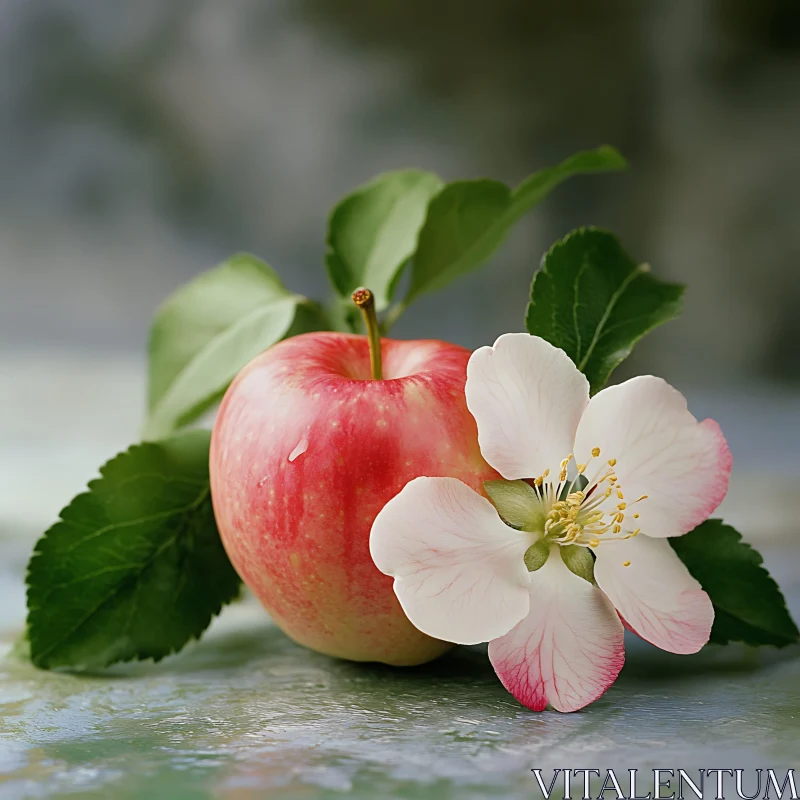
<point>262,482</point>
<point>302,446</point>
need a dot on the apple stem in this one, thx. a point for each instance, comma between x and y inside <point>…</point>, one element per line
<point>365,301</point>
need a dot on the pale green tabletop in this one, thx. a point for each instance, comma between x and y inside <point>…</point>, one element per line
<point>246,713</point>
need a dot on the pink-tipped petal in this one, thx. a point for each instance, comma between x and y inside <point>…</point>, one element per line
<point>661,451</point>
<point>459,570</point>
<point>658,598</point>
<point>568,650</point>
<point>527,398</point>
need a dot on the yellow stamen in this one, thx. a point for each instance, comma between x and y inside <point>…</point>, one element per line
<point>584,516</point>
<point>626,563</point>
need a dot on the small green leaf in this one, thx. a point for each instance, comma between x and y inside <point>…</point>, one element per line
<point>579,561</point>
<point>373,232</point>
<point>748,604</point>
<point>592,300</point>
<point>209,329</point>
<point>135,567</point>
<point>516,503</point>
<point>468,220</point>
<point>536,555</point>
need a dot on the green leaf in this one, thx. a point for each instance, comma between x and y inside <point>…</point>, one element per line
<point>536,555</point>
<point>748,604</point>
<point>135,567</point>
<point>373,232</point>
<point>579,561</point>
<point>517,504</point>
<point>468,220</point>
<point>209,329</point>
<point>592,300</point>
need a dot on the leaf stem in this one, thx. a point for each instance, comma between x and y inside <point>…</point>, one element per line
<point>365,301</point>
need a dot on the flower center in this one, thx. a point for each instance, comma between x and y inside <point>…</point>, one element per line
<point>577,511</point>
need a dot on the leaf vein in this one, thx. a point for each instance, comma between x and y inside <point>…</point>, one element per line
<point>606,314</point>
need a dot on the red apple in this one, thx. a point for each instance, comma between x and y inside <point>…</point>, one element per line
<point>306,450</point>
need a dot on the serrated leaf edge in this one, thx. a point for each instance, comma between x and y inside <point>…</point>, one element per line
<point>640,271</point>
<point>38,553</point>
<point>759,562</point>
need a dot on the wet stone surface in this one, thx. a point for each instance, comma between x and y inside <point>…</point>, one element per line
<point>246,713</point>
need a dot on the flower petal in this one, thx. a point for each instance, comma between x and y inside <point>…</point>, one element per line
<point>527,398</point>
<point>568,650</point>
<point>662,451</point>
<point>655,594</point>
<point>459,570</point>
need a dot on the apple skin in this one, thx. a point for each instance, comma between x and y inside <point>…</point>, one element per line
<point>305,452</point>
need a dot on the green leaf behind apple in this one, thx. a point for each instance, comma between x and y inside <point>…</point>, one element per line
<point>373,232</point>
<point>748,604</point>
<point>468,220</point>
<point>209,329</point>
<point>135,567</point>
<point>591,299</point>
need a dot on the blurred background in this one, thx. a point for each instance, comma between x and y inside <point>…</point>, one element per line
<point>141,143</point>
